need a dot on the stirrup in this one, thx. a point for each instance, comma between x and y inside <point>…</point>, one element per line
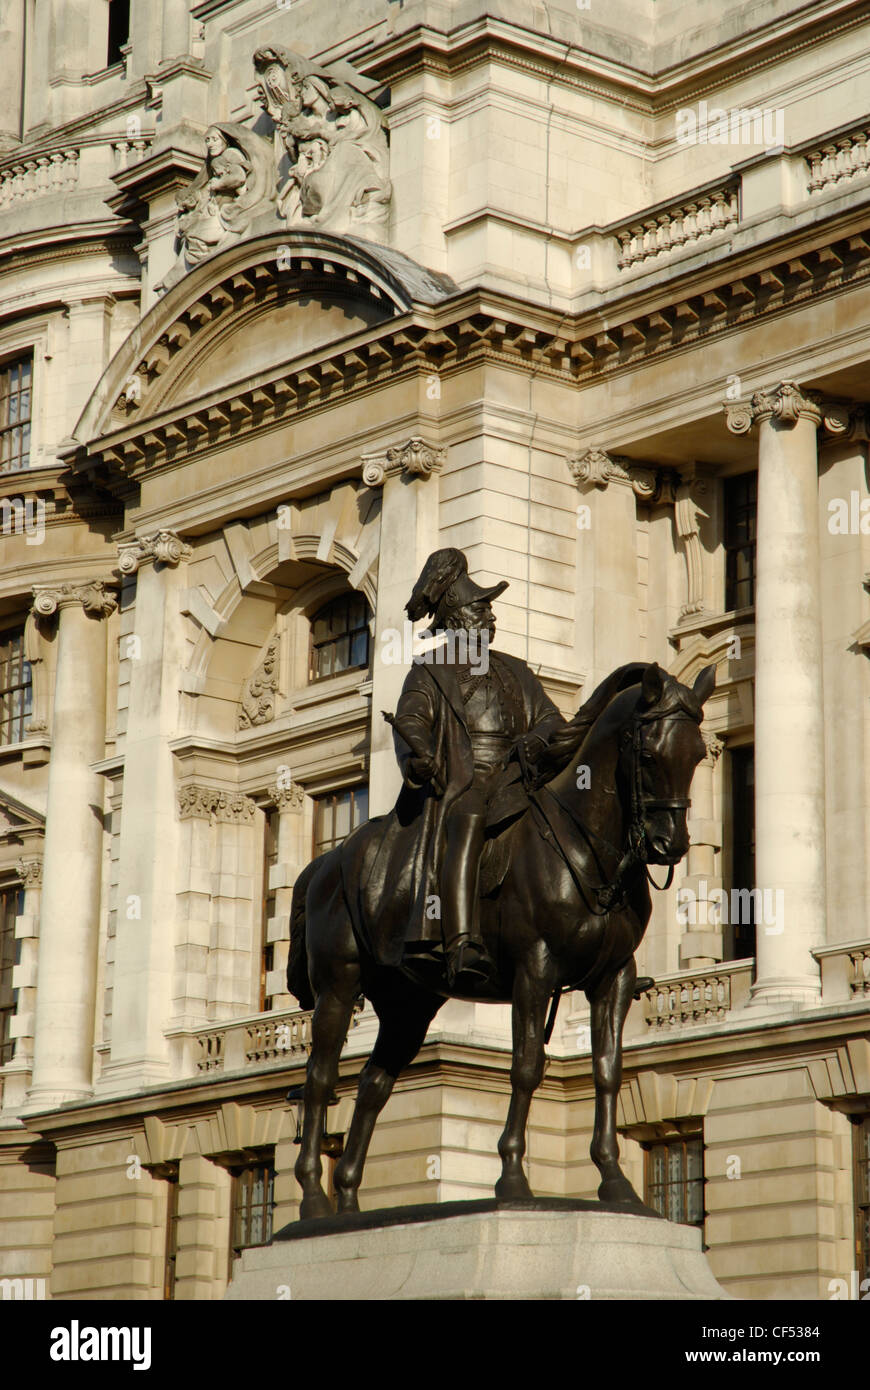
<point>469,965</point>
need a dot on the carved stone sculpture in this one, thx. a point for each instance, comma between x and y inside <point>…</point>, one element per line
<point>259,690</point>
<point>234,185</point>
<point>338,159</point>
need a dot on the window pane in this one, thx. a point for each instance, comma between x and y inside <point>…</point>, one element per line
<point>339,636</point>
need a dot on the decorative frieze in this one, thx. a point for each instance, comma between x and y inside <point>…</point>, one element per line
<point>714,746</point>
<point>163,547</point>
<point>30,872</point>
<point>213,804</point>
<point>596,468</point>
<point>287,798</point>
<point>94,596</point>
<point>260,689</point>
<point>416,458</point>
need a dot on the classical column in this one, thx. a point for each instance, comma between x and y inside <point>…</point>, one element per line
<point>73,856</point>
<point>607,568</point>
<point>12,67</point>
<point>409,533</point>
<point>789,722</point>
<point>146,903</point>
<point>845,557</point>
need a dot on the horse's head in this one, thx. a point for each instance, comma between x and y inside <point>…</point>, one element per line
<point>660,745</point>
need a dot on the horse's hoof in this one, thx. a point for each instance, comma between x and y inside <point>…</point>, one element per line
<point>619,1190</point>
<point>347,1201</point>
<point>315,1206</point>
<point>514,1188</point>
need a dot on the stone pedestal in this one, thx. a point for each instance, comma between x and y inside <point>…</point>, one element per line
<point>556,1249</point>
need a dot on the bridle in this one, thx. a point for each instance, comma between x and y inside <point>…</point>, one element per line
<point>641,805</point>
<point>607,894</point>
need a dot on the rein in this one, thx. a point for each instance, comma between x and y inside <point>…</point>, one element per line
<point>607,894</point>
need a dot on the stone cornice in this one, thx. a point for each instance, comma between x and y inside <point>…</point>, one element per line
<point>93,595</point>
<point>162,547</point>
<point>415,459</point>
<point>439,338</point>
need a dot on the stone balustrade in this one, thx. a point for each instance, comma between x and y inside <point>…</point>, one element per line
<point>845,971</point>
<point>697,996</point>
<point>665,230</point>
<point>43,172</point>
<point>243,1044</point>
<point>843,157</point>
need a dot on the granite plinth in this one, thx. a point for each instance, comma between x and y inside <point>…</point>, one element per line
<point>481,1250</point>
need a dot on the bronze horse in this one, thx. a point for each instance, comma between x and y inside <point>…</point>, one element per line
<point>569,912</point>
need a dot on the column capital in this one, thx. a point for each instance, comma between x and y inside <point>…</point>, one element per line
<point>416,458</point>
<point>93,594</point>
<point>161,547</point>
<point>786,402</point>
<point>597,468</point>
<point>844,421</point>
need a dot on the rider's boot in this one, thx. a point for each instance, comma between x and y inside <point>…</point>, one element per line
<point>468,963</point>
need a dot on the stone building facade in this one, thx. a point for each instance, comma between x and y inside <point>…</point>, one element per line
<point>290,295</point>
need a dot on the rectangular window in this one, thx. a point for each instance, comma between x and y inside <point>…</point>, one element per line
<point>15,413</point>
<point>337,814</point>
<point>253,1200</point>
<point>862,1198</point>
<point>741,508</point>
<point>270,858</point>
<point>16,689</point>
<point>739,936</point>
<point>11,903</point>
<point>674,1179</point>
<point>119,30</point>
<point>171,1255</point>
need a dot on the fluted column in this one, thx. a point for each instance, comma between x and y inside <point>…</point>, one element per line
<point>409,534</point>
<point>789,719</point>
<point>146,904</point>
<point>73,858</point>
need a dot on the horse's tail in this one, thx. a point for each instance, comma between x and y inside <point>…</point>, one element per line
<point>298,982</point>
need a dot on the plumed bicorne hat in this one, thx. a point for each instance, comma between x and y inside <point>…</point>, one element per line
<point>445,585</point>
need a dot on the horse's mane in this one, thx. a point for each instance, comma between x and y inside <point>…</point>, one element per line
<point>566,742</point>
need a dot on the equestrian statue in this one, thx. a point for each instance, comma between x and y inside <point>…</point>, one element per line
<point>514,866</point>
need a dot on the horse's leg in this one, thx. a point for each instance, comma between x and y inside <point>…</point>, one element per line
<point>402,1031</point>
<point>532,989</point>
<point>609,1008</point>
<point>329,1027</point>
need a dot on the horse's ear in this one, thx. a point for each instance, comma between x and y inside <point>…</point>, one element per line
<point>704,684</point>
<point>652,685</point>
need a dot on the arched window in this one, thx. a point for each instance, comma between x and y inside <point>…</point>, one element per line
<point>339,637</point>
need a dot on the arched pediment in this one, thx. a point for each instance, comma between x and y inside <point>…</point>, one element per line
<point>248,309</point>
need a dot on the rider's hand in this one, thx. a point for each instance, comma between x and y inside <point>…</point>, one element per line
<point>421,769</point>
